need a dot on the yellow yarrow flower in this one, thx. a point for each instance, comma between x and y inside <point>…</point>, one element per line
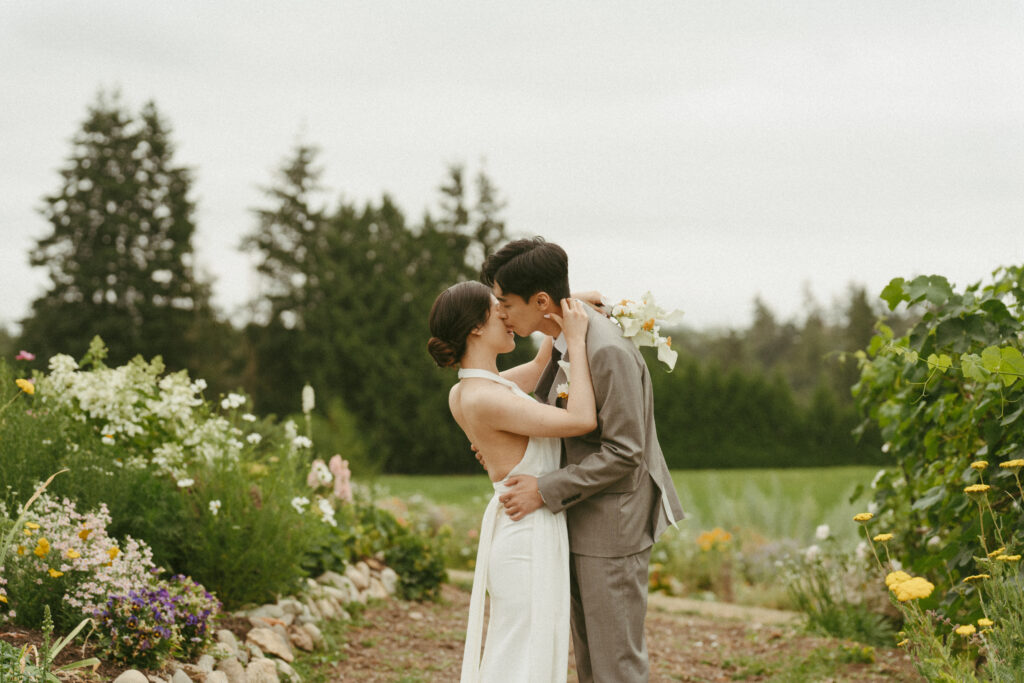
<point>979,464</point>
<point>26,386</point>
<point>976,577</point>
<point>882,538</point>
<point>21,550</point>
<point>902,643</point>
<point>1012,464</point>
<point>863,517</point>
<point>3,598</point>
<point>54,573</point>
<point>74,554</point>
<point>42,547</point>
<point>709,539</point>
<point>1008,558</point>
<point>998,551</point>
<point>977,488</point>
<point>84,533</point>
<point>966,630</point>
<point>31,525</point>
<point>896,577</point>
<point>985,623</point>
<point>913,589</point>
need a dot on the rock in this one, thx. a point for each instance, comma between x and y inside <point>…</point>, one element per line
<point>374,564</point>
<point>267,622</point>
<point>131,676</point>
<point>156,679</point>
<point>291,606</point>
<point>218,677</point>
<point>232,670</point>
<point>261,671</point>
<point>254,652</point>
<point>389,578</point>
<point>326,608</point>
<point>285,671</point>
<point>267,611</point>
<point>180,677</point>
<point>329,578</point>
<point>206,663</point>
<point>228,639</point>
<point>377,590</point>
<point>301,639</point>
<point>270,641</point>
<point>313,610</point>
<point>194,672</point>
<point>356,576</point>
<point>363,569</point>
<point>337,594</point>
<point>314,632</point>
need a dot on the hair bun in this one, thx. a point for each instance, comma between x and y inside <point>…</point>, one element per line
<point>442,352</point>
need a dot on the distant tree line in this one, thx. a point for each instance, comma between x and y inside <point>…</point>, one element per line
<point>346,289</point>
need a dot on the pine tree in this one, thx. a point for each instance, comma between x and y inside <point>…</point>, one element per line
<point>120,254</point>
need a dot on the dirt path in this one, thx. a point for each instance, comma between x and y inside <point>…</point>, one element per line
<point>688,641</point>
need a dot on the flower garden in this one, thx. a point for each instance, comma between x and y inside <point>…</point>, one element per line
<point>137,512</point>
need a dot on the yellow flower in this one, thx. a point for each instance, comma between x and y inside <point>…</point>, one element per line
<point>966,630</point>
<point>563,390</point>
<point>28,532</point>
<point>42,547</point>
<point>977,488</point>
<point>979,464</point>
<point>976,577</point>
<point>31,525</point>
<point>983,622</point>
<point>114,552</point>
<point>896,577</point>
<point>3,598</point>
<point>998,551</point>
<point>863,517</point>
<point>902,643</point>
<point>1008,558</point>
<point>54,573</point>
<point>26,386</point>
<point>21,550</point>
<point>913,589</point>
<point>84,533</point>
<point>74,554</point>
<point>709,539</point>
<point>1012,464</point>
<point>882,538</point>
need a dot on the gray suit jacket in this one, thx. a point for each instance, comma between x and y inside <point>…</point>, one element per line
<point>613,480</point>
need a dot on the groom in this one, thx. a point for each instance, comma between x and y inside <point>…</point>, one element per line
<point>614,485</point>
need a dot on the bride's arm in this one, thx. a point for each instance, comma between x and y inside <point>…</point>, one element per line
<point>507,412</point>
<point>526,375</point>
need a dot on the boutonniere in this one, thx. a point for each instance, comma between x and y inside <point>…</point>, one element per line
<point>641,322</point>
<point>563,389</point>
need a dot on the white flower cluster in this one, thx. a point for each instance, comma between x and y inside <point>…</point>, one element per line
<point>641,322</point>
<point>137,400</point>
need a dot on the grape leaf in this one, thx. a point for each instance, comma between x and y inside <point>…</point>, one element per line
<point>894,293</point>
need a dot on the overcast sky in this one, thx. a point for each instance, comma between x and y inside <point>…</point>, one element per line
<point>709,152</point>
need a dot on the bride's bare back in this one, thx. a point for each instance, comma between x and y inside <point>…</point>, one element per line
<point>500,450</point>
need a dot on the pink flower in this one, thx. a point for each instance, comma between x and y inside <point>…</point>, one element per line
<point>342,478</point>
<point>25,355</point>
<point>318,475</point>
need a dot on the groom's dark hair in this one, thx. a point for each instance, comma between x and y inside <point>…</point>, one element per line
<point>525,267</point>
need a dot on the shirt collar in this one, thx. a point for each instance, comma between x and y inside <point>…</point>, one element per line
<point>561,344</point>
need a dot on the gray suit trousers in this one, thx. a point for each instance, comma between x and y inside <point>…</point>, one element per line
<point>609,605</point>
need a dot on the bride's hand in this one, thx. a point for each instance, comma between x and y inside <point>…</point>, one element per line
<point>574,320</point>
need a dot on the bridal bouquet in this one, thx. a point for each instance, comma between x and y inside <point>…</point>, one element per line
<point>641,322</point>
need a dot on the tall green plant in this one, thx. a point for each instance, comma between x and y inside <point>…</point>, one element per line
<point>948,393</point>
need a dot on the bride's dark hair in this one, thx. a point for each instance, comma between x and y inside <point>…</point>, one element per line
<point>456,311</point>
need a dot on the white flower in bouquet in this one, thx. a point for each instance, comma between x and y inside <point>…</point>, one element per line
<point>642,321</point>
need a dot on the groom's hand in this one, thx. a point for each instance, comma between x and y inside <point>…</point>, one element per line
<point>522,498</point>
<point>479,457</point>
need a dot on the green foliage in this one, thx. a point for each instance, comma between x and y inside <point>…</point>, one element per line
<point>945,394</point>
<point>119,255</point>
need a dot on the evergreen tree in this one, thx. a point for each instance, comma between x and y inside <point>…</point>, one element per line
<point>120,255</point>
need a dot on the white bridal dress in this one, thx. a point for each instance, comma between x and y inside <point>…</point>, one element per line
<point>524,566</point>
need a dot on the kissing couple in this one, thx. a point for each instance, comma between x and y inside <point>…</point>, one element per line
<point>582,490</point>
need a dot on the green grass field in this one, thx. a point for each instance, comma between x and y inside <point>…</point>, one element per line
<point>779,503</point>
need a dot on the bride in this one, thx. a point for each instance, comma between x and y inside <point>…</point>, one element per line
<point>523,565</point>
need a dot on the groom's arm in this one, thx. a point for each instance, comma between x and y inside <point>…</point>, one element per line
<point>619,393</point>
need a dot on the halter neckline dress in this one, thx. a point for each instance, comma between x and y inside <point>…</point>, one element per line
<point>524,567</point>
